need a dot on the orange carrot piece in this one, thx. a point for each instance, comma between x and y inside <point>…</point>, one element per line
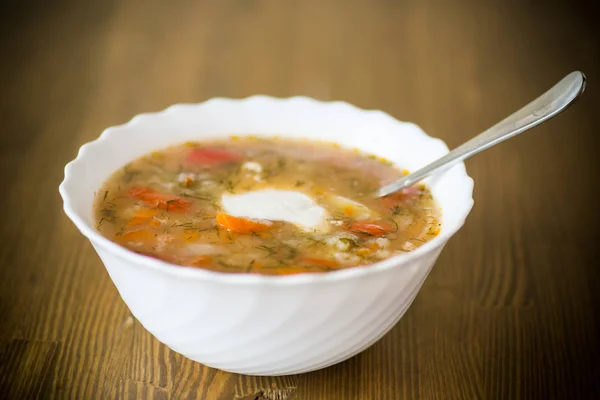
<point>403,197</point>
<point>321,261</point>
<point>256,266</point>
<point>371,228</point>
<point>143,216</point>
<point>286,271</point>
<point>188,181</point>
<point>240,225</point>
<point>348,210</point>
<point>364,251</point>
<point>168,202</point>
<point>201,261</point>
<point>138,235</point>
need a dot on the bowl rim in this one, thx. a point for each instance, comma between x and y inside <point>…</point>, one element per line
<point>397,261</point>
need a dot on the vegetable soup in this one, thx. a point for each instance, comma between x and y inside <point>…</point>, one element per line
<point>266,206</point>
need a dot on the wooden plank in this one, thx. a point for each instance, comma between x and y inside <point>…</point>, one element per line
<point>25,368</point>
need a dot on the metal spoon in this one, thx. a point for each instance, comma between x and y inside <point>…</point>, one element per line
<point>551,103</point>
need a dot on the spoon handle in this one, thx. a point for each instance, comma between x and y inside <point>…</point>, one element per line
<point>551,103</point>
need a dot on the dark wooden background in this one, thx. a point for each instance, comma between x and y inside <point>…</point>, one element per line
<point>511,309</point>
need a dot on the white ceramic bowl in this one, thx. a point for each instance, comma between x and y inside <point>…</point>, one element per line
<point>261,325</point>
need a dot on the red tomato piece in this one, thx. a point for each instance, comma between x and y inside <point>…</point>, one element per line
<point>406,196</point>
<point>371,228</point>
<point>208,156</point>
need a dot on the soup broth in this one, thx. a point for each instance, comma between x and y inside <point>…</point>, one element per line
<point>266,206</point>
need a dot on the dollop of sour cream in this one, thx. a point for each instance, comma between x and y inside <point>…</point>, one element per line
<point>278,205</point>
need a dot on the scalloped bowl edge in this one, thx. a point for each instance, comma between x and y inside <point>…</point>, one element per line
<point>298,322</point>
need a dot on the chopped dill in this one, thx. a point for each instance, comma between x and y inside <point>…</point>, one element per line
<point>224,264</point>
<point>292,253</point>
<point>105,194</point>
<point>169,202</point>
<point>395,224</point>
<point>106,212</point>
<point>270,250</point>
<point>281,163</point>
<point>229,185</point>
<point>350,242</point>
<point>396,210</point>
<point>196,197</point>
<point>108,215</point>
<point>338,216</point>
<point>314,241</point>
<point>300,183</point>
<point>249,266</point>
<point>277,169</point>
<point>183,225</point>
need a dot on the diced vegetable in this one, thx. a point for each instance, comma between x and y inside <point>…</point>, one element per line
<point>351,208</point>
<point>284,271</point>
<point>378,228</point>
<point>168,202</point>
<point>201,261</point>
<point>321,262</point>
<point>208,156</point>
<point>186,179</point>
<point>363,251</point>
<point>406,196</point>
<point>137,236</point>
<point>240,225</point>
<point>143,216</point>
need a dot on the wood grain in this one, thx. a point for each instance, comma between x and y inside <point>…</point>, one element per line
<point>511,310</point>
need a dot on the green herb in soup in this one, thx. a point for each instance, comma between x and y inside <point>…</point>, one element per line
<point>263,206</point>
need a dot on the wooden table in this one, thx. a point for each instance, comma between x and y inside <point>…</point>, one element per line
<point>510,311</point>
